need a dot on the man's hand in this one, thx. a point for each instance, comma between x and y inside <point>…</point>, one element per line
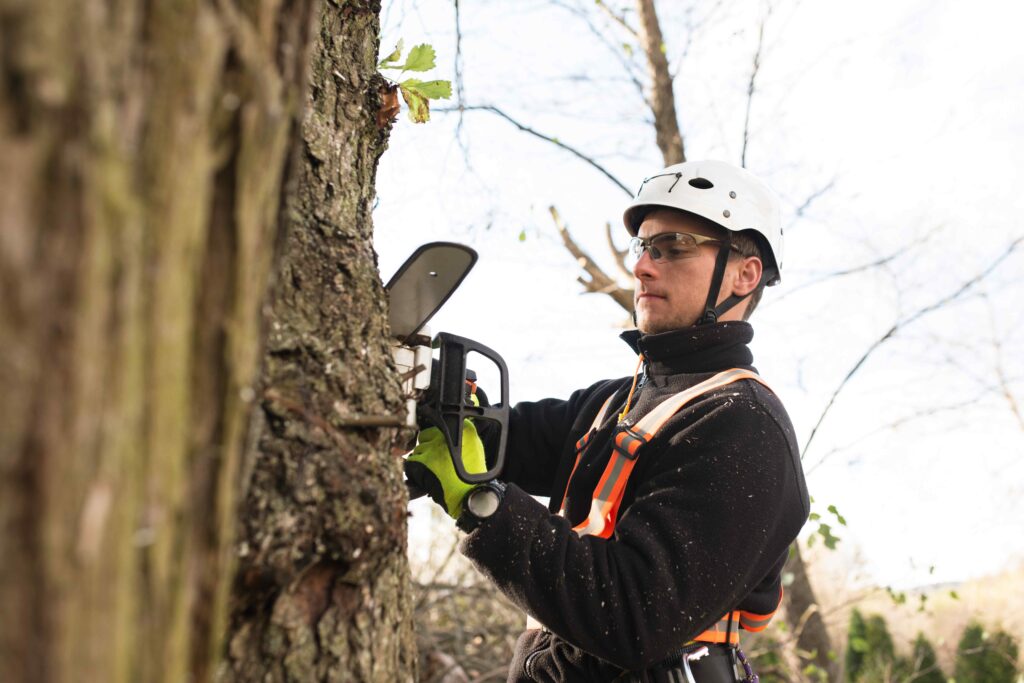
<point>430,466</point>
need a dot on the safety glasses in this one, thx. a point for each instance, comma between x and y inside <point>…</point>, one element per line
<point>668,246</point>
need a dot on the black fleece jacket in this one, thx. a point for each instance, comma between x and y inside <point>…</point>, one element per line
<point>706,520</point>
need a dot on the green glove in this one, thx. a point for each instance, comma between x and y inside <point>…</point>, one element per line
<point>430,466</point>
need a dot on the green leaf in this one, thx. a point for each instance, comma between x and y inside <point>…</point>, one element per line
<point>839,517</point>
<point>421,58</point>
<point>814,517</point>
<point>393,57</point>
<point>628,49</point>
<point>954,595</point>
<point>419,105</point>
<point>522,235</point>
<point>432,90</point>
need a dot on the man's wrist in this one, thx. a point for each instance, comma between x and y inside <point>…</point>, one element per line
<point>481,503</point>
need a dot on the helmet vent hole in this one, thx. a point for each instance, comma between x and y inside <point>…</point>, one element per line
<point>701,183</point>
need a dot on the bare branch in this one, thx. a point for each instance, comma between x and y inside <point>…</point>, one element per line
<point>666,124</point>
<point>618,254</point>
<point>814,196</point>
<point>900,324</point>
<point>600,282</point>
<point>751,87</point>
<point>553,140</point>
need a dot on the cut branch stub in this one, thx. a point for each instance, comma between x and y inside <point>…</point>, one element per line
<point>619,254</point>
<point>599,282</point>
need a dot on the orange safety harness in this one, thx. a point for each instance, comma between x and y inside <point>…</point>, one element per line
<point>607,497</point>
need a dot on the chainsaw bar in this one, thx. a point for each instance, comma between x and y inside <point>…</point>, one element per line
<point>424,283</point>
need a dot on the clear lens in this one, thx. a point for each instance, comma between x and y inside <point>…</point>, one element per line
<point>673,246</point>
<point>669,246</point>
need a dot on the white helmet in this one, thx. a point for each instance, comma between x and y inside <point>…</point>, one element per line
<point>724,194</point>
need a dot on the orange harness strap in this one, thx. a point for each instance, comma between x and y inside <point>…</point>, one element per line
<point>604,506</point>
<point>607,497</point>
<point>725,632</point>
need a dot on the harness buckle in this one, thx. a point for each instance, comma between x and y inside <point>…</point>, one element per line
<point>628,442</point>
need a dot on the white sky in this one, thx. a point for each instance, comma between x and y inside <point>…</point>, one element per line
<point>913,109</point>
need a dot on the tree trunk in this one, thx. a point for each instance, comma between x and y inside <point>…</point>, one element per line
<point>323,587</point>
<point>145,149</point>
<point>803,615</point>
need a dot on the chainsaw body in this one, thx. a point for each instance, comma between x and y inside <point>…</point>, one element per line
<point>439,391</point>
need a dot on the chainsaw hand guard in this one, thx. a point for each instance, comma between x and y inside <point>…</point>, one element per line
<point>446,403</point>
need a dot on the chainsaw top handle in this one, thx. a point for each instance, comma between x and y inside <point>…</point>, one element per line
<point>447,404</point>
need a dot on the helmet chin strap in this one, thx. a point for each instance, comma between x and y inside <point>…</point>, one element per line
<point>712,312</point>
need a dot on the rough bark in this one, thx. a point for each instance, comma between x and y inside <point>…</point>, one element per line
<point>662,98</point>
<point>323,587</point>
<point>144,146</point>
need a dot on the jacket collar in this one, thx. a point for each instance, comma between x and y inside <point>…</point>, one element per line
<point>707,348</point>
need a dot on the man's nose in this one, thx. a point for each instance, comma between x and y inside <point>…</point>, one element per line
<point>644,268</point>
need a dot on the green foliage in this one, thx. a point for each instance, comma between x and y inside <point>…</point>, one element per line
<point>824,530</point>
<point>417,93</point>
<point>898,597</point>
<point>856,645</point>
<point>922,666</point>
<point>870,654</point>
<point>982,657</point>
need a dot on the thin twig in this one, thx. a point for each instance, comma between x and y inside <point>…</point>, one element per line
<point>1004,383</point>
<point>800,210</point>
<point>460,94</point>
<point>616,50</point>
<point>751,87</point>
<point>617,18</point>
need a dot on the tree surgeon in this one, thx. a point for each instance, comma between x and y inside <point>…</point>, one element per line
<point>676,493</point>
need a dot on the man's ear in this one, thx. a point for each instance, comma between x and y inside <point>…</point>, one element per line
<point>747,275</point>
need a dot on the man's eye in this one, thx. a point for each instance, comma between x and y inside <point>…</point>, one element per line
<point>676,251</point>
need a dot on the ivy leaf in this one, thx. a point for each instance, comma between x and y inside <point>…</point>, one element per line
<point>432,90</point>
<point>386,63</point>
<point>421,58</point>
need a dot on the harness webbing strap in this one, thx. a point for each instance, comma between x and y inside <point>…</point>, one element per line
<point>607,496</point>
<point>604,506</point>
<point>723,631</point>
<point>582,444</point>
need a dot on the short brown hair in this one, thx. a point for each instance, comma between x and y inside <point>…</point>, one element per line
<point>748,246</point>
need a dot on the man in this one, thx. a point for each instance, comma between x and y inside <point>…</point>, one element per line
<point>675,494</point>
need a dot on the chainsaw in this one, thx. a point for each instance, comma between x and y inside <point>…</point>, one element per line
<point>440,391</point>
